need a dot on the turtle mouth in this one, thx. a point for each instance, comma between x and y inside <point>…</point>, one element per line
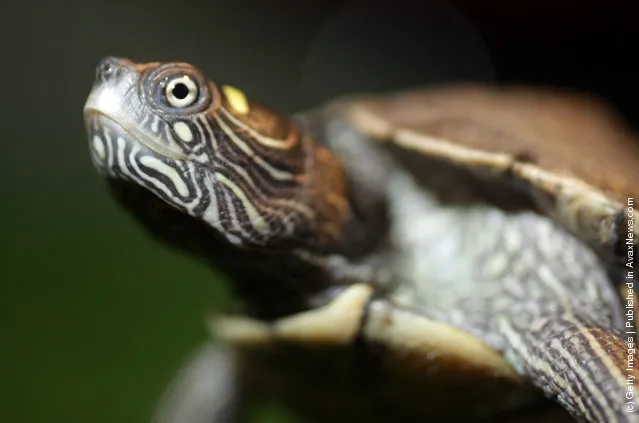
<point>132,133</point>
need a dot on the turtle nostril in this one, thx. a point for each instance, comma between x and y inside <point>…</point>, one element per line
<point>107,69</point>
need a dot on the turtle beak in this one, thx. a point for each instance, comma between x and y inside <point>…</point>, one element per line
<point>116,102</point>
<point>113,81</point>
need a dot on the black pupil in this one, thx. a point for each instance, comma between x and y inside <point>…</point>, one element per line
<point>180,91</point>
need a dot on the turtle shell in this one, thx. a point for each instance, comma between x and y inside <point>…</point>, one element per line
<point>567,155</point>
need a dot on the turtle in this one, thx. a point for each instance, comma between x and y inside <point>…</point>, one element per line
<point>447,253</point>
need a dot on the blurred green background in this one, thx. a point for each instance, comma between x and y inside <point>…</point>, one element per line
<point>96,317</point>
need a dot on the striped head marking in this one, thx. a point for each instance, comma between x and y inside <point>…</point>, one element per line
<point>208,152</point>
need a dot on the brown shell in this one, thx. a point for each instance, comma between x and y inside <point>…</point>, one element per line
<point>571,154</point>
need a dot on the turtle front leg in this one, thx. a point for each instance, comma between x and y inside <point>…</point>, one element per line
<point>589,370</point>
<point>205,391</point>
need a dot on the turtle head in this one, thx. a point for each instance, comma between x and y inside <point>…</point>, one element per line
<point>243,171</point>
<point>211,172</point>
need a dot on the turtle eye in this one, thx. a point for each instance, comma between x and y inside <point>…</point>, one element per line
<point>181,92</point>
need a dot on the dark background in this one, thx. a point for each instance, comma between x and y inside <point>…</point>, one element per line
<point>94,316</point>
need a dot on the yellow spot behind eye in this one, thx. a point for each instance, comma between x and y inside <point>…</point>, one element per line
<point>236,99</point>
